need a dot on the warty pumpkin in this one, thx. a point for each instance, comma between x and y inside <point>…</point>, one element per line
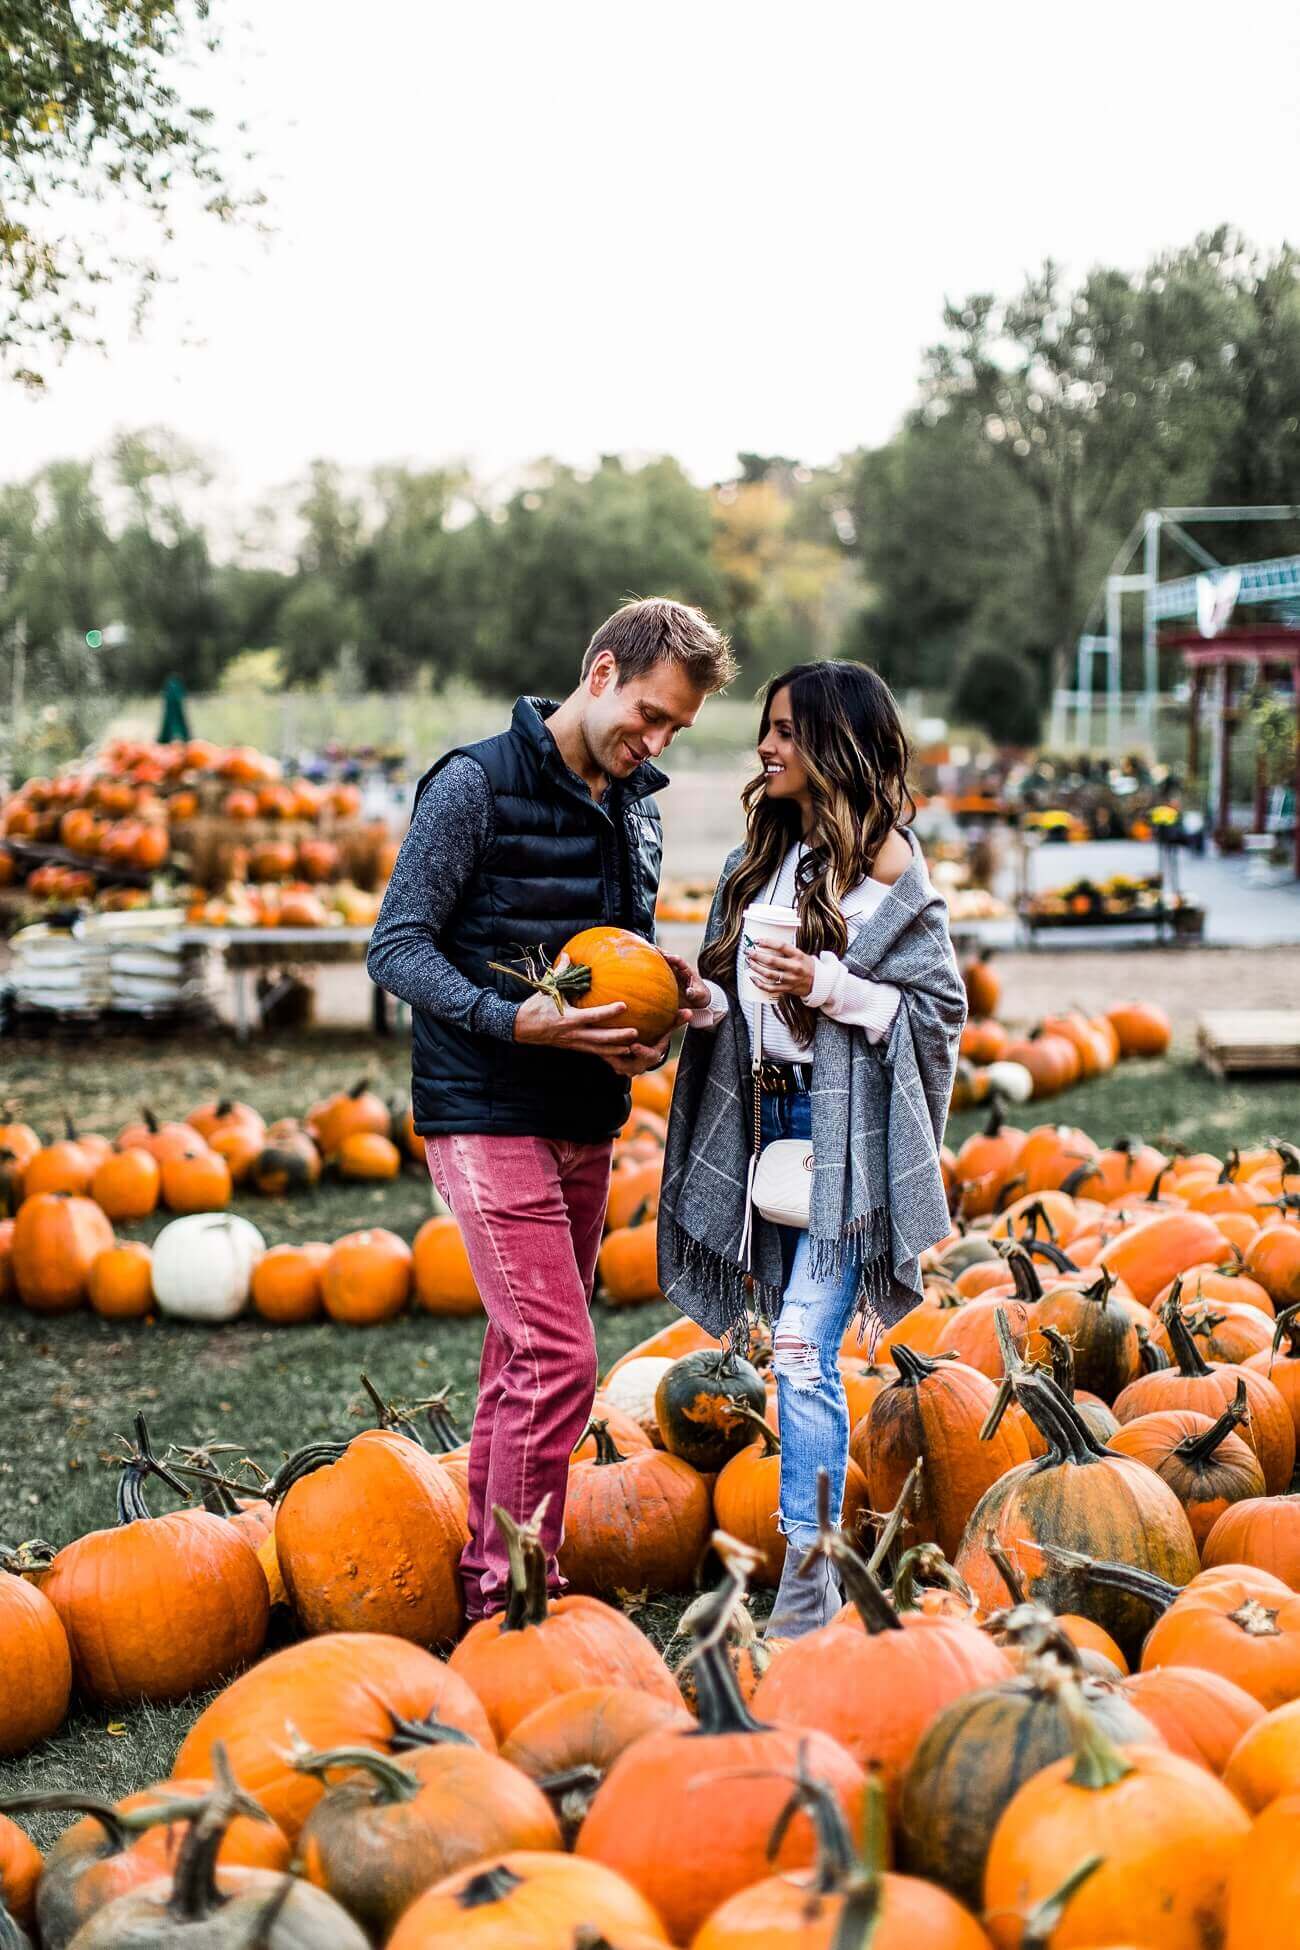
<point>539,1646</point>
<point>394,1826</point>
<point>368,1537</point>
<point>104,1587</point>
<point>632,1523</point>
<point>1165,1829</point>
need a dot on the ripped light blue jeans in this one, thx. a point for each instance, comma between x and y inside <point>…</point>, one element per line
<point>815,1314</point>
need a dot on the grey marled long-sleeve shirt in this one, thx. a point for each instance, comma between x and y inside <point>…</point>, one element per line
<point>438,858</point>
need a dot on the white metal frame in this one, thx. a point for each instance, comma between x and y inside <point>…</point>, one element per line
<point>1268,581</point>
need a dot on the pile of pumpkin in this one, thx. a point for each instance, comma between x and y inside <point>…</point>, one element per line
<point>59,1251</point>
<point>1060,1051</point>
<point>1063,1698</point>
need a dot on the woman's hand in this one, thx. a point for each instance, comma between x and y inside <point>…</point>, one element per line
<point>780,970</point>
<point>692,990</point>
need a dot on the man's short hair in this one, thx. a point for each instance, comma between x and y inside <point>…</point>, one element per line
<point>643,634</point>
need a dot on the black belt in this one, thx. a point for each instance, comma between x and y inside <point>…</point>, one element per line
<point>783,1079</point>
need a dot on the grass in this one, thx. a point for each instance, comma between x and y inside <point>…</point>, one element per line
<point>72,1386</point>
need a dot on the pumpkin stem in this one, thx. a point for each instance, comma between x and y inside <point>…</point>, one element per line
<point>607,1450</point>
<point>389,1416</point>
<point>1155,1188</point>
<point>925,1567</point>
<point>559,983</point>
<point>131,1506</point>
<point>1029,1288</point>
<point>1055,1416</point>
<point>913,1368</point>
<point>529,1600</point>
<point>1288,1330</point>
<point>833,1866</point>
<point>1102,1287</point>
<point>721,1708</point>
<point>1074,1183</point>
<point>1152,1358</point>
<point>114,1823</point>
<point>896,1522</point>
<point>391,1781</point>
<point>32,1555</point>
<point>1098,1763</point>
<point>997,1117</point>
<point>1231,1167</point>
<point>859,1581</point>
<point>316,1455</point>
<point>1287,1156</point>
<point>1046,1249</point>
<point>437,1413</point>
<point>1008,1191</point>
<point>1034,1630</point>
<point>264,1935</point>
<point>571,1793</point>
<point>1199,1449</point>
<point>488,1886</point>
<point>409,1736</point>
<point>1013,1364</point>
<point>1062,1360</point>
<point>744,1413</point>
<point>1155,1591</point>
<point>1190,1360</point>
<point>1006,1567</point>
<point>194,1886</point>
<point>1044,1919</point>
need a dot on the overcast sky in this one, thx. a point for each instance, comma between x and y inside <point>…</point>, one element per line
<point>692,226</point>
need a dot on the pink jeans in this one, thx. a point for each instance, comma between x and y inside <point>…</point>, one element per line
<point>531,1211</point>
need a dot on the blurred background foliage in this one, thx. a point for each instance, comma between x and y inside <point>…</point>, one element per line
<point>959,557</point>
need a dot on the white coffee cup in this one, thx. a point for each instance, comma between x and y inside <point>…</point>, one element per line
<point>763,926</point>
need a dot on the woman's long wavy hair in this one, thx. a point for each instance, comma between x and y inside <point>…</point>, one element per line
<point>848,734</point>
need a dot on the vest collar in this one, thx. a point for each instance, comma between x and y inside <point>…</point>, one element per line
<point>528,720</point>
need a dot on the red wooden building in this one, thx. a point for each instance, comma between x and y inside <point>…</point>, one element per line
<point>1221,669</point>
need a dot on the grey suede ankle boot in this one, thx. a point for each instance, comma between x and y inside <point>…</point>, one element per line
<point>803,1602</point>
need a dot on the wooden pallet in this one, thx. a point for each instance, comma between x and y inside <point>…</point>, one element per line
<point>1232,1040</point>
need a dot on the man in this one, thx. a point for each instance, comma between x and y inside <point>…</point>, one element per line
<point>515,844</point>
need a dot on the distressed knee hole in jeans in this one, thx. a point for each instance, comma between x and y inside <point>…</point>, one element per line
<point>796,1359</point>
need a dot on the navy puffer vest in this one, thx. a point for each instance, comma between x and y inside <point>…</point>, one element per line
<point>556,862</point>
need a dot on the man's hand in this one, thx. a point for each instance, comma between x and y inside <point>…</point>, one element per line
<point>645,1056</point>
<point>591,1032</point>
<point>691,987</point>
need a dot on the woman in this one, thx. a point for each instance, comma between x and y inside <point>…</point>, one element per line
<point>859,1030</point>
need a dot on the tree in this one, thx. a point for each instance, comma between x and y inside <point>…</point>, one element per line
<point>92,113</point>
<point>162,566</point>
<point>997,692</point>
<point>1098,401</point>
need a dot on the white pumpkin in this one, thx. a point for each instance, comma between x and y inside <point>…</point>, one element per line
<point>633,1390</point>
<point>1010,1080</point>
<point>202,1265</point>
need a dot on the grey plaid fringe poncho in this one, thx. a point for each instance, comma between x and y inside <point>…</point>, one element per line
<point>878,1113</point>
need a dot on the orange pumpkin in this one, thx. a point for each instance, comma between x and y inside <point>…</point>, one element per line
<point>1273,1258</point>
<point>603,965</point>
<point>347,1112</point>
<point>56,1241</point>
<point>121,1282</point>
<point>195,1180</point>
<point>628,1266</point>
<point>286,1282</point>
<point>367,1277</point>
<point>1143,1028</point>
<point>126,1184</point>
<point>366,1155</point>
<point>444,1279</point>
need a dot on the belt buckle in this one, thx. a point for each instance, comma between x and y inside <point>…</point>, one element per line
<point>773,1079</point>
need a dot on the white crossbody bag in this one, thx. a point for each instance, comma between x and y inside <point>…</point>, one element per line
<point>779,1186</point>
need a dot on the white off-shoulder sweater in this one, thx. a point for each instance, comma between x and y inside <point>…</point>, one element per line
<point>853,1000</point>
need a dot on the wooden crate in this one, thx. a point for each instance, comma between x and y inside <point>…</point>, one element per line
<point>1233,1040</point>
